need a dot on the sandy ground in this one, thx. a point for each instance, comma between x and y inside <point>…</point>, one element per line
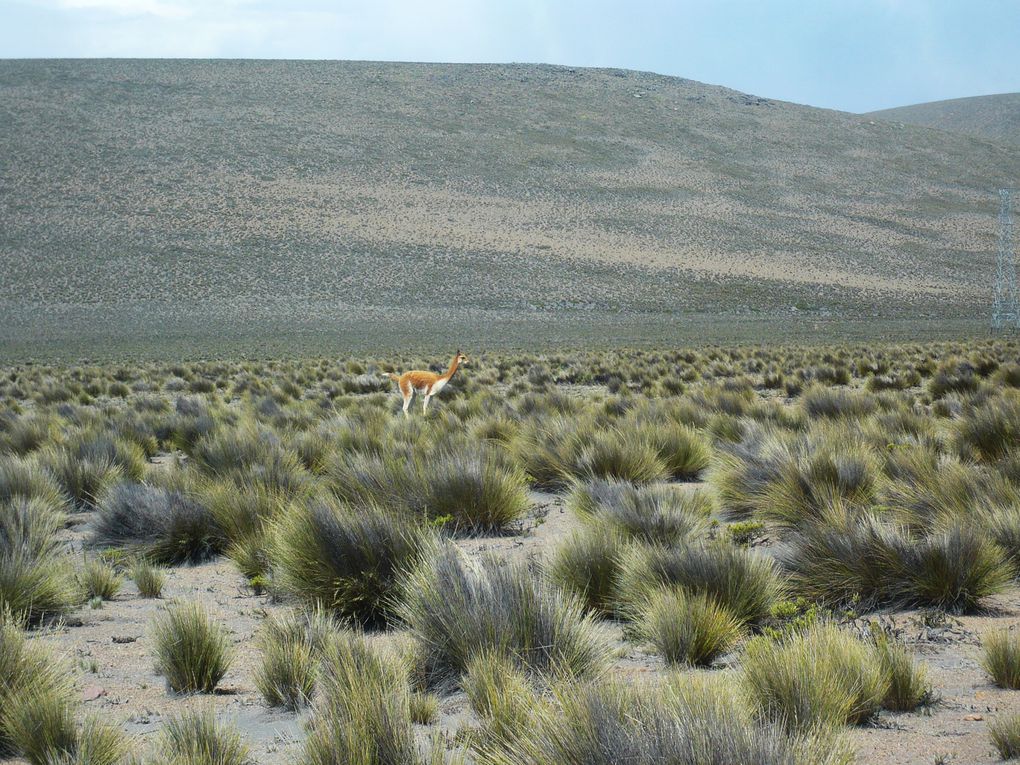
<point>110,650</point>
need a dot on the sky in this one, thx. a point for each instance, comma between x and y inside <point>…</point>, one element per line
<point>854,55</point>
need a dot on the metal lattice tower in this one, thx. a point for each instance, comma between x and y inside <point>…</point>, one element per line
<point>1005,308</point>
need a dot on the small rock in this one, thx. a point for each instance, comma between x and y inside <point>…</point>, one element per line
<point>92,692</point>
<point>973,718</point>
<point>124,638</point>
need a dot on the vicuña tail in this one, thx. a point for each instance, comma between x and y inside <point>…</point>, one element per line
<point>395,378</point>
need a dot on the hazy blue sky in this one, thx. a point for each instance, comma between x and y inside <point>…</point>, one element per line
<point>846,54</point>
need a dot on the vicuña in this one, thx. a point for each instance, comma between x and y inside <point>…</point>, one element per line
<point>427,384</point>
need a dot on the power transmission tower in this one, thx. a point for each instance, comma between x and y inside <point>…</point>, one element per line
<point>1005,308</point>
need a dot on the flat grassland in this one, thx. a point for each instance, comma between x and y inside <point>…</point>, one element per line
<point>506,579</point>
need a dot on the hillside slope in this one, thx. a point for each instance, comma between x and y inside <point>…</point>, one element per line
<point>214,201</point>
<point>996,118</point>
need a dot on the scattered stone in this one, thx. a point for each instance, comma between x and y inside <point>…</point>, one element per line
<point>92,692</point>
<point>973,718</point>
<point>124,638</point>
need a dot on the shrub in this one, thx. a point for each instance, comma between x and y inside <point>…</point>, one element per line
<point>1005,735</point>
<point>587,564</point>
<point>821,676</point>
<point>744,582</point>
<point>192,651</point>
<point>345,559</point>
<point>164,525</point>
<point>196,738</point>
<point>99,580</point>
<point>35,574</point>
<point>1000,658</point>
<point>456,608</point>
<point>687,629</point>
<point>148,578</point>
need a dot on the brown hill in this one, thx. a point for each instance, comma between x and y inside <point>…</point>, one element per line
<point>996,118</point>
<point>242,204</point>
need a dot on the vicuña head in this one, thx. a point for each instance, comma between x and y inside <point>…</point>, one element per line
<point>426,383</point>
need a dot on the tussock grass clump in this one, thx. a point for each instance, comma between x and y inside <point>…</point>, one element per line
<point>99,580</point>
<point>35,572</point>
<point>83,480</point>
<point>689,723</point>
<point>909,687</point>
<point>499,693</point>
<point>877,563</point>
<point>192,652</point>
<point>824,471</point>
<point>165,525</point>
<point>291,646</point>
<point>40,721</point>
<point>1000,658</point>
<point>655,513</point>
<point>616,454</point>
<point>24,667</point>
<point>956,568</point>
<point>953,377</point>
<point>363,710</point>
<point>687,629</point>
<point>821,676</point>
<point>1004,732</point>
<point>990,431</point>
<point>149,579</point>
<point>25,434</point>
<point>195,737</point>
<point>456,608</point>
<point>835,403</point>
<point>685,451</point>
<point>543,448</point>
<point>248,452</point>
<point>25,478</point>
<point>474,490</point>
<point>41,724</point>
<point>587,564</point>
<point>245,514</point>
<point>345,559</point>
<point>741,580</point>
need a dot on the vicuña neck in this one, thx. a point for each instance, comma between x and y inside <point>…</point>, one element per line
<point>453,368</point>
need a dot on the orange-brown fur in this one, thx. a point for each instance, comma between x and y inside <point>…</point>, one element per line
<point>426,383</point>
